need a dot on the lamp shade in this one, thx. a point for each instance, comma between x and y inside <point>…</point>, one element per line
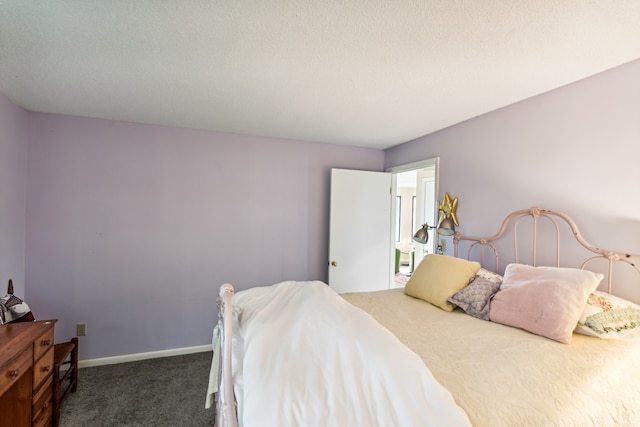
<point>422,235</point>
<point>446,227</point>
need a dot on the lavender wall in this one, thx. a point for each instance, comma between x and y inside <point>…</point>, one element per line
<point>575,149</point>
<point>132,228</point>
<point>13,176</point>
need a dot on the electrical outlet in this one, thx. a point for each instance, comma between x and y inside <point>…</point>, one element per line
<point>81,329</point>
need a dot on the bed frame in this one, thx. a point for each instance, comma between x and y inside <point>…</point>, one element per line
<point>226,411</point>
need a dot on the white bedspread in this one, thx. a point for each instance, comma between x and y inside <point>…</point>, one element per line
<point>303,356</point>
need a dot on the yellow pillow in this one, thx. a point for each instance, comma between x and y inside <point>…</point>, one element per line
<point>438,277</point>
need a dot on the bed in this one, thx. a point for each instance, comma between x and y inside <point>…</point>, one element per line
<point>539,344</point>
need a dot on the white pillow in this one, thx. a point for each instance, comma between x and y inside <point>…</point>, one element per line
<point>608,316</point>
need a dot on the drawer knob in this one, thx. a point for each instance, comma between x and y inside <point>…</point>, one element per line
<point>46,368</point>
<point>46,343</point>
<point>14,373</point>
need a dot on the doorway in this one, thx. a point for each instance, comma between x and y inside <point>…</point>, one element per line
<point>414,190</point>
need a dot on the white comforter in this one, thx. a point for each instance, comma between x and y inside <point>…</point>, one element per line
<point>303,356</point>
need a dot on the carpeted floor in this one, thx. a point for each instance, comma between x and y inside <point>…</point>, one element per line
<point>168,391</point>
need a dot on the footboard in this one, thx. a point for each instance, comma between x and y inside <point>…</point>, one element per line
<point>226,414</point>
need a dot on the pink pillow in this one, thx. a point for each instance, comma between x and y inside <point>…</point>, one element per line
<point>546,301</point>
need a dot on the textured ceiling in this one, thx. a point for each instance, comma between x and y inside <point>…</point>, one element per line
<point>374,73</point>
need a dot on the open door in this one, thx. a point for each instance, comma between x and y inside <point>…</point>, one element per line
<point>360,231</point>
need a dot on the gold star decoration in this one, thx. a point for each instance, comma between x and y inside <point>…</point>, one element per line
<point>448,208</point>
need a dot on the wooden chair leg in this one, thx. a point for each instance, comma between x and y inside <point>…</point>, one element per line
<point>62,352</point>
<point>74,361</point>
<point>56,393</point>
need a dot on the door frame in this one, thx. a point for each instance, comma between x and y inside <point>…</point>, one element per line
<point>422,164</point>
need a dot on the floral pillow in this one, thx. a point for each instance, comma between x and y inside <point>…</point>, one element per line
<point>607,316</point>
<point>489,275</point>
<point>475,298</point>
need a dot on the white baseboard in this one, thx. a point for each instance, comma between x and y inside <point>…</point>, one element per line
<point>142,356</point>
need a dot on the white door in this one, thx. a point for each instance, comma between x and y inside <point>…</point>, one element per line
<point>359,231</point>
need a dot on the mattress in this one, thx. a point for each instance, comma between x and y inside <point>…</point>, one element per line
<point>503,376</point>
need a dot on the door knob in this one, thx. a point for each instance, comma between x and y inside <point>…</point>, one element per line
<point>334,263</point>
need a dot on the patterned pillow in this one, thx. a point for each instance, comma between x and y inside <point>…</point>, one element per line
<point>607,316</point>
<point>475,298</point>
<point>489,275</point>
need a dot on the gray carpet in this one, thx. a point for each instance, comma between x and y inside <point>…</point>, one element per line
<point>168,391</point>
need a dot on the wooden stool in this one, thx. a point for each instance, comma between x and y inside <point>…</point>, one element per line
<point>65,353</point>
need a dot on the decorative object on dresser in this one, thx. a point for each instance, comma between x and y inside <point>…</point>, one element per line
<point>65,374</point>
<point>26,368</point>
<point>13,309</point>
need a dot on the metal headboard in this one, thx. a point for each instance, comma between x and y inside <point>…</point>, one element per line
<point>535,213</point>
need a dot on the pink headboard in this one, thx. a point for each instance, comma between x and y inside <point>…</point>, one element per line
<point>513,221</point>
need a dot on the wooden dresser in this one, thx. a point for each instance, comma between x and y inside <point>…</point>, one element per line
<point>26,367</point>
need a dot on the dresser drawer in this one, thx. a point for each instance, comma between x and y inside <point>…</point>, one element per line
<point>46,388</point>
<point>44,418</point>
<point>43,344</point>
<point>43,411</point>
<point>42,369</point>
<point>43,404</point>
<point>14,369</point>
